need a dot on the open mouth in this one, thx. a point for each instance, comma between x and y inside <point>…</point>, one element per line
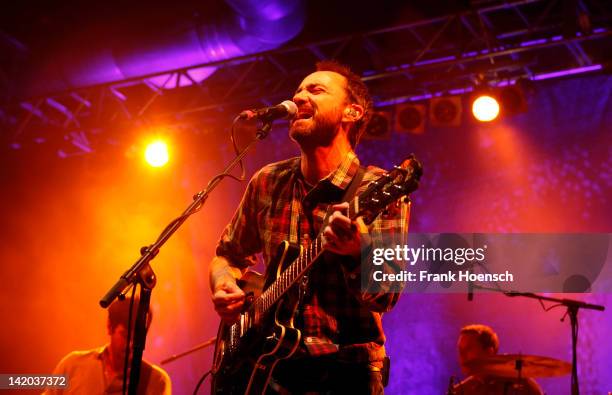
<point>303,115</point>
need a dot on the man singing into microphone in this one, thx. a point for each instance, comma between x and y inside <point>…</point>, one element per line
<point>342,348</point>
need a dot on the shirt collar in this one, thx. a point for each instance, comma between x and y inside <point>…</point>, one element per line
<point>342,176</point>
<point>101,350</point>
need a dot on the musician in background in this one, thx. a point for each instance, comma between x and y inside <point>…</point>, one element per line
<point>342,348</point>
<point>100,370</point>
<point>477,342</point>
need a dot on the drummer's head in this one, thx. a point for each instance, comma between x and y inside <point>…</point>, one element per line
<point>475,342</point>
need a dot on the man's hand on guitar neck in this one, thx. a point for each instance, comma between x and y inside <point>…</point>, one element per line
<point>343,236</point>
<point>227,297</point>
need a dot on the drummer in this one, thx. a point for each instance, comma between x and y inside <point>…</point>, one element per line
<point>477,342</point>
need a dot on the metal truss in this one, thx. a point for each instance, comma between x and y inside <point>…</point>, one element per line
<point>493,41</point>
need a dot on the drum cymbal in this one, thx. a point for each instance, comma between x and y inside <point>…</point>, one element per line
<point>508,365</point>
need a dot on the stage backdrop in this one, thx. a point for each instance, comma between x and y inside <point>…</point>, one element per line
<point>72,226</point>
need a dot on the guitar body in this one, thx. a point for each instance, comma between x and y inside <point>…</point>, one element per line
<point>246,354</point>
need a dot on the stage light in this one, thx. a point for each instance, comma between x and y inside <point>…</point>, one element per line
<point>445,111</point>
<point>485,108</point>
<point>156,154</point>
<point>410,118</point>
<point>378,127</point>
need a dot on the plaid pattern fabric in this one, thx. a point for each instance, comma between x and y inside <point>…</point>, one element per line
<point>336,313</point>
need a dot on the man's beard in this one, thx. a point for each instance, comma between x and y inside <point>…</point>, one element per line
<point>320,131</point>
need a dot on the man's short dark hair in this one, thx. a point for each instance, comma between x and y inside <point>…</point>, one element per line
<point>485,334</point>
<point>357,93</point>
<point>119,310</point>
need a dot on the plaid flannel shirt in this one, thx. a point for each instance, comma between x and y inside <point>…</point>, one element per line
<point>337,314</point>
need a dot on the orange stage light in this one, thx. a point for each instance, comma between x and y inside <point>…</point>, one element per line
<point>156,154</point>
<point>485,108</point>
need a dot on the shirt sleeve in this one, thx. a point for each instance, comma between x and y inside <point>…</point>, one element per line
<point>60,369</point>
<point>240,240</point>
<point>387,231</point>
<point>159,382</point>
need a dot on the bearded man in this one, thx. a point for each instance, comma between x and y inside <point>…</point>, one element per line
<point>342,348</point>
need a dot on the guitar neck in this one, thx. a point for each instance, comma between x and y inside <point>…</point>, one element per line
<point>296,269</point>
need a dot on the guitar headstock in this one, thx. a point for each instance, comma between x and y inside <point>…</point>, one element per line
<point>388,188</point>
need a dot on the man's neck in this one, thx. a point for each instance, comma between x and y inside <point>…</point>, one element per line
<point>318,162</point>
<point>114,363</point>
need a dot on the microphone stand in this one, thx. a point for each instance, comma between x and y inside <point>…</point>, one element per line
<point>573,306</point>
<point>140,273</point>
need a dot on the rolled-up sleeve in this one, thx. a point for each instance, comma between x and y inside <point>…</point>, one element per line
<point>240,240</point>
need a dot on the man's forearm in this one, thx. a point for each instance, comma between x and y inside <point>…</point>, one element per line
<point>221,271</point>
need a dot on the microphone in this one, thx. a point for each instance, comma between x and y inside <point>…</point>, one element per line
<point>286,109</point>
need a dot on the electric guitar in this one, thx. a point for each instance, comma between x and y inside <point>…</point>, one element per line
<point>247,351</point>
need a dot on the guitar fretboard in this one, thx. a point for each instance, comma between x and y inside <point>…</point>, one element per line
<point>294,271</point>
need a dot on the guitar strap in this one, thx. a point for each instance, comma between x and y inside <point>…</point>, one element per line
<point>348,195</point>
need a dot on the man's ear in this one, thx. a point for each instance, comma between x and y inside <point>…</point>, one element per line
<point>352,113</point>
